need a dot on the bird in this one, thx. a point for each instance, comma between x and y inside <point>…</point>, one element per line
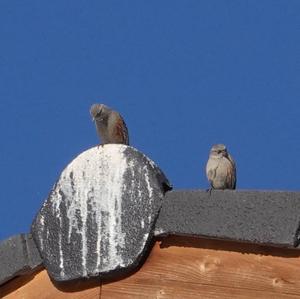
<point>110,126</point>
<point>220,168</point>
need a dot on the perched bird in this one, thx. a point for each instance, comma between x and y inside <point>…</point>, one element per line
<point>220,168</point>
<point>110,126</point>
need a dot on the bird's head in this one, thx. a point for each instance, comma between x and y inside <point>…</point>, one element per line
<point>219,150</point>
<point>98,112</point>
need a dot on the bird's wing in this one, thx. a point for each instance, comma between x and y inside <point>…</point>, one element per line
<point>121,131</point>
<point>231,173</point>
<point>211,169</point>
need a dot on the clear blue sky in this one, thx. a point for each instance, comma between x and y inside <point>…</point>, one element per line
<point>184,75</point>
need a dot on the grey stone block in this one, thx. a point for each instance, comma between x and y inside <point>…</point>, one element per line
<point>98,219</point>
<point>269,218</point>
<point>18,256</point>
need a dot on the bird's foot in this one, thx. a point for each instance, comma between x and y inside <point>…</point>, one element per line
<point>209,190</point>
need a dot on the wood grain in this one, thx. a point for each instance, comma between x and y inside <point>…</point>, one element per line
<point>164,289</point>
<point>182,267</point>
<point>39,286</point>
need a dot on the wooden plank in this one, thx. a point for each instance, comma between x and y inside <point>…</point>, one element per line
<point>213,269</point>
<point>164,289</point>
<point>181,267</point>
<point>39,286</point>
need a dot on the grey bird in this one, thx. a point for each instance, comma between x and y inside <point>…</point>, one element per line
<point>220,168</point>
<point>110,126</point>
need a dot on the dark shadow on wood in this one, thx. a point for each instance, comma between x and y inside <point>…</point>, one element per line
<point>82,283</point>
<point>241,247</point>
<point>128,272</point>
<point>18,281</point>
<point>77,285</point>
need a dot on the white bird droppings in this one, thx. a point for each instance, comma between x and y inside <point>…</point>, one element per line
<point>96,178</point>
<point>100,212</point>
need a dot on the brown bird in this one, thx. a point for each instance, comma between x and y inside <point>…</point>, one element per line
<point>110,125</point>
<point>220,168</point>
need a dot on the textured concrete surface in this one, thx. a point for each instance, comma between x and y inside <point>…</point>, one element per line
<point>100,219</point>
<point>99,216</point>
<point>270,218</point>
<point>18,256</point>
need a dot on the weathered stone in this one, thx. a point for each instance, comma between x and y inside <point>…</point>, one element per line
<point>18,256</point>
<point>99,216</point>
<point>269,218</point>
